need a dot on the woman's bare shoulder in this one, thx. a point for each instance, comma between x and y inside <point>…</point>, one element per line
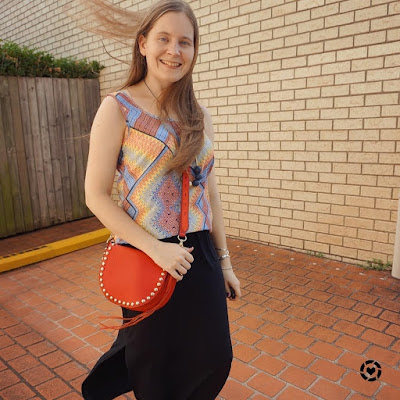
<point>110,115</point>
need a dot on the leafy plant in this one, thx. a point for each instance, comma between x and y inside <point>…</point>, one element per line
<point>377,265</point>
<point>23,61</point>
<point>315,254</point>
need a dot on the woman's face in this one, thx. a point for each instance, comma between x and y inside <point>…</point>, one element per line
<point>169,48</point>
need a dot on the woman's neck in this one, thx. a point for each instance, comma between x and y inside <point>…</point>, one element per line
<point>154,87</point>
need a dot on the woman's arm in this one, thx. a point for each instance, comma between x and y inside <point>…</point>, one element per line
<point>105,144</point>
<point>218,229</point>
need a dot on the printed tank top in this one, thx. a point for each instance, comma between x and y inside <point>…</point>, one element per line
<point>150,196</point>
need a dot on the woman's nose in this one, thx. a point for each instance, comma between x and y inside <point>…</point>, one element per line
<point>174,48</point>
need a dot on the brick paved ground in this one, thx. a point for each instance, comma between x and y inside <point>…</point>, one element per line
<point>301,331</point>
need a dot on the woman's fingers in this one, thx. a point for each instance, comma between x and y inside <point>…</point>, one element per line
<point>232,286</point>
<point>188,256</point>
<point>230,292</point>
<point>238,291</point>
<point>177,275</point>
<point>186,264</point>
<point>177,261</point>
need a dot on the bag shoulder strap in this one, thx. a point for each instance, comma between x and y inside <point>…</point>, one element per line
<point>184,223</point>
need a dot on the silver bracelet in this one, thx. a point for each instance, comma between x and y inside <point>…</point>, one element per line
<point>222,249</point>
<point>225,255</point>
<point>226,268</point>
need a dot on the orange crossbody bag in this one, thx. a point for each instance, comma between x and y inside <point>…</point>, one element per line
<point>128,277</point>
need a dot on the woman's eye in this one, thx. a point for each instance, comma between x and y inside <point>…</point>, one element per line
<point>183,42</point>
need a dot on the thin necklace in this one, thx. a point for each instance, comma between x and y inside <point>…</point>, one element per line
<point>144,80</point>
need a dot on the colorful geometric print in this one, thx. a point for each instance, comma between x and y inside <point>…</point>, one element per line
<point>146,192</point>
<point>145,122</point>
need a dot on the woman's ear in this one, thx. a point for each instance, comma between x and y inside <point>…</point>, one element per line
<point>142,45</point>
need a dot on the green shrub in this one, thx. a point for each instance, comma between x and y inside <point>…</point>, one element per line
<point>23,61</point>
<point>377,264</point>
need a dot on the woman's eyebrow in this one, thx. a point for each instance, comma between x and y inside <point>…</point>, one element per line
<point>166,33</point>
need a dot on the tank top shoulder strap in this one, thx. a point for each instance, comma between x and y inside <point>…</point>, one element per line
<point>124,104</point>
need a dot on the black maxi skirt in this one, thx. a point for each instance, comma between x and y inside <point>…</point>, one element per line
<point>181,352</point>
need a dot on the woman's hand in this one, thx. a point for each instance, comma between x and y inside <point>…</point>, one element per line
<point>173,258</point>
<point>231,282</point>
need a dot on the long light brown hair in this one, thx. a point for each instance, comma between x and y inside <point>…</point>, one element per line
<point>114,22</point>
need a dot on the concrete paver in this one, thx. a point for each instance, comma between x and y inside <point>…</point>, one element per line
<point>302,330</point>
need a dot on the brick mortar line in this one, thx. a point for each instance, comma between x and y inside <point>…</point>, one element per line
<point>19,375</point>
<point>324,17</point>
<point>60,307</point>
<point>341,334</point>
<point>311,76</point>
<point>22,379</point>
<point>330,295</point>
<point>331,257</point>
<point>318,377</point>
<point>57,323</point>
<point>353,391</point>
<point>71,311</point>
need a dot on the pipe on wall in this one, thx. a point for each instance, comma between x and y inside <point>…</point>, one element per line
<point>396,256</point>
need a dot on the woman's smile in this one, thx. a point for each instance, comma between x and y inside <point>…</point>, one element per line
<point>173,65</point>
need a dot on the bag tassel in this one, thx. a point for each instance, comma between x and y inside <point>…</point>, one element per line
<point>134,320</point>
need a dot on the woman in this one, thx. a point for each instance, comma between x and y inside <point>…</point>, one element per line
<point>152,131</point>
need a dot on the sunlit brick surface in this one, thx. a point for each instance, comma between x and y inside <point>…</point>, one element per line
<point>301,331</point>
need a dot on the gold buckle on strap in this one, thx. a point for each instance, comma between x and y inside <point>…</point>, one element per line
<point>181,241</point>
